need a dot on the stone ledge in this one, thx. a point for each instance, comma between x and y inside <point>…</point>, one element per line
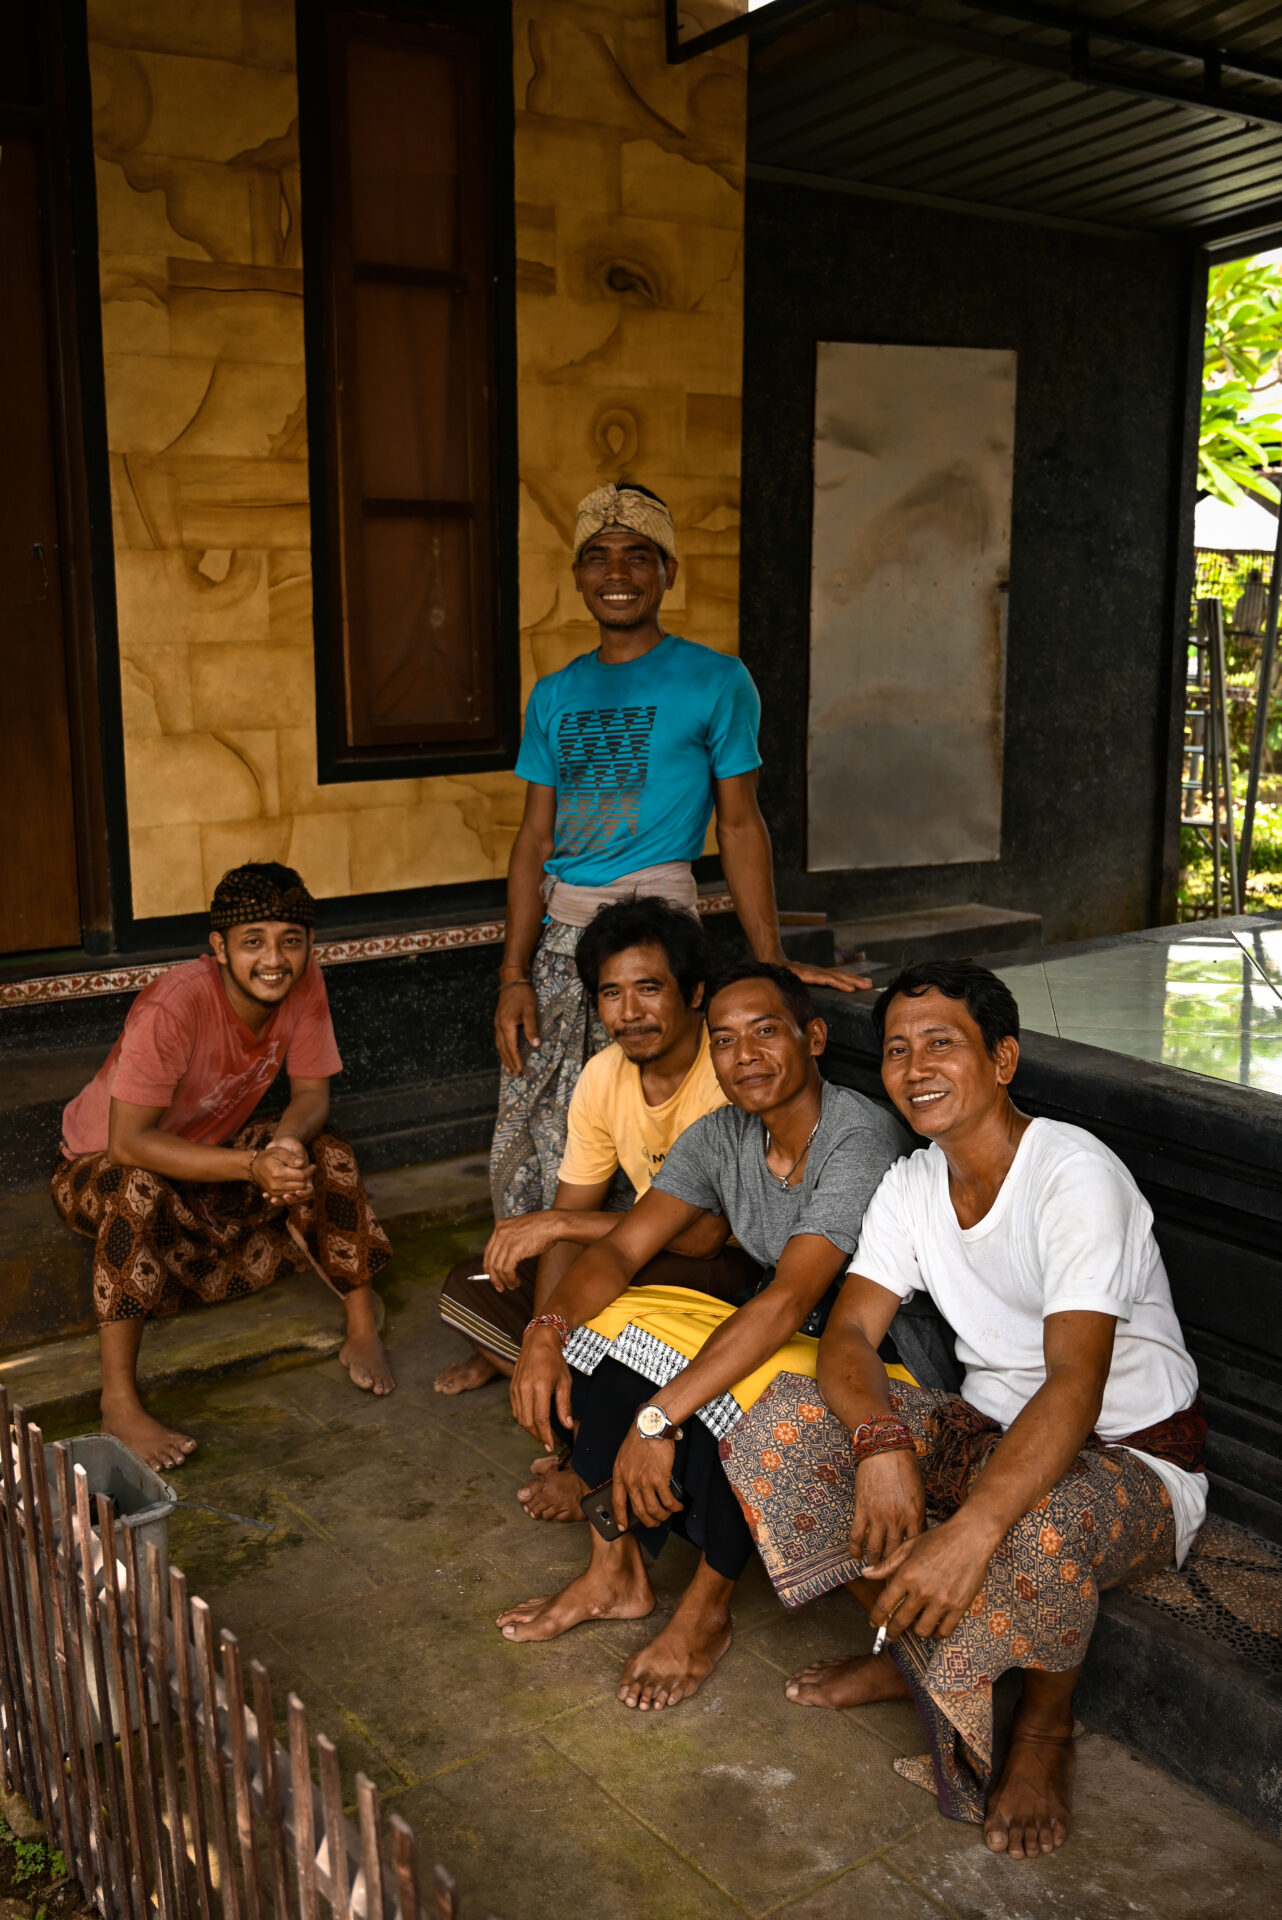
<point>295,1318</point>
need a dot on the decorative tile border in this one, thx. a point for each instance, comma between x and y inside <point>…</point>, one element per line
<point>330,953</point>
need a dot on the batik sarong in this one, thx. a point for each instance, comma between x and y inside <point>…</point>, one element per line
<point>158,1240</point>
<point>529,1134</point>
<point>1108,1521</point>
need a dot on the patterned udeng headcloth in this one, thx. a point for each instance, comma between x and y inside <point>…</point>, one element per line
<point>263,890</point>
<point>624,506</point>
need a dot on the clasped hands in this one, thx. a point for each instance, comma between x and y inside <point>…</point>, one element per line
<point>930,1577</point>
<point>283,1169</point>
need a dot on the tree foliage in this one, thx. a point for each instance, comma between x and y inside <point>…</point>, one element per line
<point>1240,360</point>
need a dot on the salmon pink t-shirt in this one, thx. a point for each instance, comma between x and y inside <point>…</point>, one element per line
<point>185,1049</point>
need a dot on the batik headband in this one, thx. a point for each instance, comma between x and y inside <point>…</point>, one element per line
<point>253,893</point>
<point>628,508</point>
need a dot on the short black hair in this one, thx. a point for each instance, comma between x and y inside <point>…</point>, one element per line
<point>792,991</point>
<point>645,921</point>
<point>989,1001</point>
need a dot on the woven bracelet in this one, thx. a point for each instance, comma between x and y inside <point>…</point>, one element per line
<point>559,1326</point>
<point>884,1435</point>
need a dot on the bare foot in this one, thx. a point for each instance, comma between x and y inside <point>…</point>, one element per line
<point>462,1375</point>
<point>678,1660</point>
<point>160,1446</point>
<point>1028,1814</point>
<point>365,1358</point>
<point>613,1588</point>
<point>848,1683</point>
<point>553,1493</point>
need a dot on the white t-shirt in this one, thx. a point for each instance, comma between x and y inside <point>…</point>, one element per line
<point>1069,1232</point>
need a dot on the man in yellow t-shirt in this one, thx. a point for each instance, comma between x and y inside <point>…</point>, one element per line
<point>645,964</point>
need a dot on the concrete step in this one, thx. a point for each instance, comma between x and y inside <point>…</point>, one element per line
<point>295,1318</point>
<point>936,933</point>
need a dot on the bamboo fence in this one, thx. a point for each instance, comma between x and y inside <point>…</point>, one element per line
<point>127,1730</point>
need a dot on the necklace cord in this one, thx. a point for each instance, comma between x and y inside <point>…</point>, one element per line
<point>782,1180</point>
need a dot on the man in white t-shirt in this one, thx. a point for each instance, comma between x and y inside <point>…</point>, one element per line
<point>979,1530</point>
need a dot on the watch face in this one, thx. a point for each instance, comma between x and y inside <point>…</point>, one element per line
<point>651,1421</point>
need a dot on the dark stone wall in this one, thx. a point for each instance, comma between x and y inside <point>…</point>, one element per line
<point>1101,328</point>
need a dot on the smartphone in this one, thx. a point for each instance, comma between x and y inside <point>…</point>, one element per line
<point>598,1508</point>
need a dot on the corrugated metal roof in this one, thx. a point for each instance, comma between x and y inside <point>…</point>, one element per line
<point>938,98</point>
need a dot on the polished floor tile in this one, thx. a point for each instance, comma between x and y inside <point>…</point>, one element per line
<point>1208,1003</point>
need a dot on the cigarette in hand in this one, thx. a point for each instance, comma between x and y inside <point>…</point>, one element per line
<point>880,1641</point>
<point>478,1276</point>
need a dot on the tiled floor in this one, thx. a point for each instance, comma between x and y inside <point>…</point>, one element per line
<point>1210,1002</point>
<point>397,1540</point>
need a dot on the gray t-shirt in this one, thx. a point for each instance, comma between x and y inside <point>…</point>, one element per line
<point>719,1163</point>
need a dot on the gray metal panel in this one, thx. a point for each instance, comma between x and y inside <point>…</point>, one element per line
<point>923,97</point>
<point>913,461</point>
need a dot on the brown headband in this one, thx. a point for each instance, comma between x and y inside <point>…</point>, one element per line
<point>624,507</point>
<point>247,893</point>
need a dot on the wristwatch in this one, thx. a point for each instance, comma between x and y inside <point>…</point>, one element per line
<point>654,1424</point>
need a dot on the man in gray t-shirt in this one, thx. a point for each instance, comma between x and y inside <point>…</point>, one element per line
<point>719,1165</point>
<point>790,1165</point>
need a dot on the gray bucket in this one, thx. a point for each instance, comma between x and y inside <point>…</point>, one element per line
<point>142,1503</point>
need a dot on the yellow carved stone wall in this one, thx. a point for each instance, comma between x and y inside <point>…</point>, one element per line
<point>629,188</point>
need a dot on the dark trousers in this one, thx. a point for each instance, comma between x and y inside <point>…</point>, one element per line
<point>711,1519</point>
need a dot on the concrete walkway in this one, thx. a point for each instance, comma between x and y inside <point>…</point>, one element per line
<point>397,1541</point>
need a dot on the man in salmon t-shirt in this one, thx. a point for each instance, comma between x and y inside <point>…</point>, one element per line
<point>181,1190</point>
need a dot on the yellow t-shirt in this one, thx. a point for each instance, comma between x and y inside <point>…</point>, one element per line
<point>609,1124</point>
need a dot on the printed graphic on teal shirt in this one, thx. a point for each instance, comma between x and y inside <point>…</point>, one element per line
<point>633,751</point>
<point>602,761</point>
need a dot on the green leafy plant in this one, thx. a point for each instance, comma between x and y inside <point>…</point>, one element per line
<point>32,1859</point>
<point>1240,359</point>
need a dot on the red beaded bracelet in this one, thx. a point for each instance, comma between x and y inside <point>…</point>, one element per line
<point>886,1434</point>
<point>559,1326</point>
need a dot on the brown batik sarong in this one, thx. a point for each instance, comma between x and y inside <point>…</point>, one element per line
<point>159,1239</point>
<point>1107,1522</point>
<point>529,1134</point>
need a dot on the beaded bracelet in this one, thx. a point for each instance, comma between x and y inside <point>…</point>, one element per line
<point>886,1434</point>
<point>559,1326</point>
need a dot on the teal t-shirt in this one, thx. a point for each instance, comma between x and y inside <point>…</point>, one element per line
<point>632,751</point>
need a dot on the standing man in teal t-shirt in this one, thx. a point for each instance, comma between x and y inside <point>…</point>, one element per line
<point>628,752</point>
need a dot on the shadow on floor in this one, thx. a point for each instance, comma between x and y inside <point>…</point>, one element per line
<point>398,1539</point>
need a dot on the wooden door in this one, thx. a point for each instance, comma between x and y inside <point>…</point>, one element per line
<point>39,896</point>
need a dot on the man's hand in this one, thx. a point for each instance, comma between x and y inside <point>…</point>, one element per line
<point>541,1380</point>
<point>827,977</point>
<point>279,1175</point>
<point>931,1580</point>
<point>523,1236</point>
<point>517,1010</point>
<point>291,1148</point>
<point>890,1505</point>
<point>643,1481</point>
